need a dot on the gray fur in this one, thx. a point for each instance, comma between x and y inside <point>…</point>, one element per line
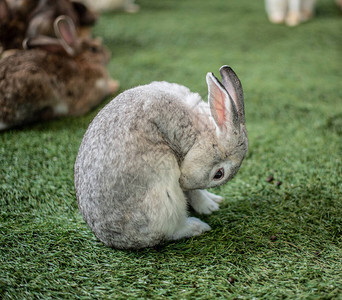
<point>137,157</point>
<point>233,86</point>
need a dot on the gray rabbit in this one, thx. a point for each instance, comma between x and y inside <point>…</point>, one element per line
<point>151,151</point>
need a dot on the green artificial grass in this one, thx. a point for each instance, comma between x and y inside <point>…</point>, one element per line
<point>267,241</point>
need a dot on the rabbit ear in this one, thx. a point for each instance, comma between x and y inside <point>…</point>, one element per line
<point>40,24</point>
<point>222,107</point>
<point>66,33</point>
<point>5,13</point>
<point>65,41</point>
<point>44,42</point>
<point>234,88</point>
<point>41,18</point>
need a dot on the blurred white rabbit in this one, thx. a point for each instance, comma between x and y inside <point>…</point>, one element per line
<point>292,12</point>
<point>110,5</point>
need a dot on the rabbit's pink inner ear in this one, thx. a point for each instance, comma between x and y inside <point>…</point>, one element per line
<point>217,100</point>
<point>219,106</point>
<point>67,32</point>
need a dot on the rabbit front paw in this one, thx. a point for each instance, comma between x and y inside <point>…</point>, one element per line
<point>203,201</point>
<point>192,227</point>
<point>216,198</point>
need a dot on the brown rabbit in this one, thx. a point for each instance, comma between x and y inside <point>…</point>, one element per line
<point>55,77</point>
<point>29,18</point>
<point>42,18</point>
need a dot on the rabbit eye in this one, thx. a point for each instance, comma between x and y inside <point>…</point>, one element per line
<point>219,174</point>
<point>94,49</point>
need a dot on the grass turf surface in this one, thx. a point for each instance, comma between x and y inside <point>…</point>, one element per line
<point>292,83</point>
